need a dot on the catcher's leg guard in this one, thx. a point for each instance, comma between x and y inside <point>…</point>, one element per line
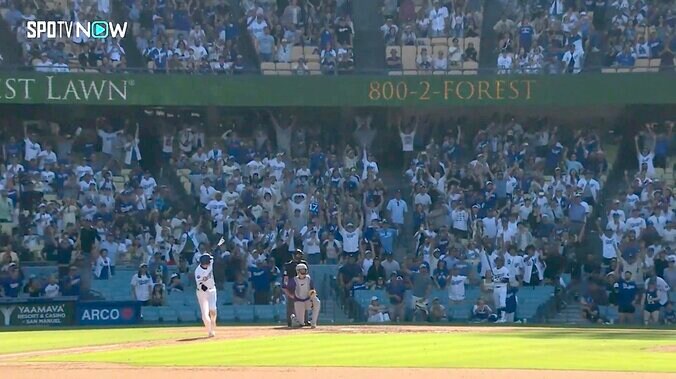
<point>316,306</point>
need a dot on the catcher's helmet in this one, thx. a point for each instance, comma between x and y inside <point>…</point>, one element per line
<point>301,266</point>
<point>205,259</point>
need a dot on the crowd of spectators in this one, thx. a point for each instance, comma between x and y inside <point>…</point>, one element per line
<point>281,187</point>
<point>192,37</point>
<point>438,28</point>
<point>474,203</point>
<point>79,53</point>
<point>558,36</point>
<point>434,18</point>
<point>77,196</point>
<point>637,274</point>
<point>513,194</point>
<point>325,27</point>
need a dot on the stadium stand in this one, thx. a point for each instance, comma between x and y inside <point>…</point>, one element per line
<point>563,37</point>
<point>471,200</point>
<point>312,37</point>
<point>431,37</point>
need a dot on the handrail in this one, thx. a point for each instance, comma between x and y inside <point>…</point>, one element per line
<point>392,72</point>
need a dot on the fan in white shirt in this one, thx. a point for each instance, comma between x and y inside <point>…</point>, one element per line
<point>645,156</point>
<point>277,166</point>
<point>231,196</point>
<point>46,157</point>
<point>207,191</point>
<point>255,166</point>
<point>148,184</point>
<point>32,149</point>
<point>490,225</point>
<point>636,223</point>
<point>217,205</point>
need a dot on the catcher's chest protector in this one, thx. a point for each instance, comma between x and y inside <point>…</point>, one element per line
<point>303,287</point>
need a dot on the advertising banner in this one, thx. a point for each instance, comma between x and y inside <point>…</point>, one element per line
<point>590,89</point>
<point>39,313</point>
<point>108,313</point>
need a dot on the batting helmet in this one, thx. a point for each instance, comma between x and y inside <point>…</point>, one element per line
<point>205,259</point>
<point>301,266</point>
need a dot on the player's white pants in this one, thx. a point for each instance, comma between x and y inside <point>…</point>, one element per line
<point>379,317</point>
<point>499,296</point>
<point>207,302</point>
<point>301,307</point>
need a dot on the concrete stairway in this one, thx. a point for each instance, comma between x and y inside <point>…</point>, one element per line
<point>571,315</point>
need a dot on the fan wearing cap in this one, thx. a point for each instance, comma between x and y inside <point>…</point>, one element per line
<point>302,290</point>
<point>377,312</point>
<point>141,285</point>
<point>206,292</point>
<point>290,273</point>
<point>351,235</point>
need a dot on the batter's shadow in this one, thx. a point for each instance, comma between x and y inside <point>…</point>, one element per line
<point>191,339</point>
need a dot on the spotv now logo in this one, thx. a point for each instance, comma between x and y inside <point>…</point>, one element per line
<point>69,29</point>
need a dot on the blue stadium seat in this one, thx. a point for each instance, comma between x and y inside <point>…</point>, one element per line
<point>188,315</point>
<point>265,312</point>
<point>150,314</point>
<point>226,314</point>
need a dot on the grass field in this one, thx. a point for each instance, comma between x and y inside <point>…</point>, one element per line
<point>501,348</point>
<point>19,342</point>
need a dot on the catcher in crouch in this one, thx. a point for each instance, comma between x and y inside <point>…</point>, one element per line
<point>305,297</point>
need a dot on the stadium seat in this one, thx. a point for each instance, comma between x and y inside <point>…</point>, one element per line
<point>267,66</point>
<point>187,315</point>
<point>296,53</point>
<point>309,51</point>
<point>264,312</point>
<point>150,314</point>
<point>408,57</point>
<point>439,41</point>
<point>608,70</point>
<point>642,62</point>
<point>283,66</point>
<point>423,42</point>
<point>470,65</point>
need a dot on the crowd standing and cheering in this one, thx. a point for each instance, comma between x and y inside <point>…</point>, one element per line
<point>507,200</point>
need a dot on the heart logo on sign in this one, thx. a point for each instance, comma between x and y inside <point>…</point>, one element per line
<point>127,313</point>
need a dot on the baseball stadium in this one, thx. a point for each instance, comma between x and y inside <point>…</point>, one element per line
<point>337,189</point>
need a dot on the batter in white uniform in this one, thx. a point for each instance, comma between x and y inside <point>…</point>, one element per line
<point>500,279</point>
<point>206,293</point>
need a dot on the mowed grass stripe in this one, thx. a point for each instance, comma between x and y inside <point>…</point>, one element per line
<point>513,349</point>
<point>19,342</point>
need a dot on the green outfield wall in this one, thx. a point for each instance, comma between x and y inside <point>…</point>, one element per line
<point>324,91</point>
